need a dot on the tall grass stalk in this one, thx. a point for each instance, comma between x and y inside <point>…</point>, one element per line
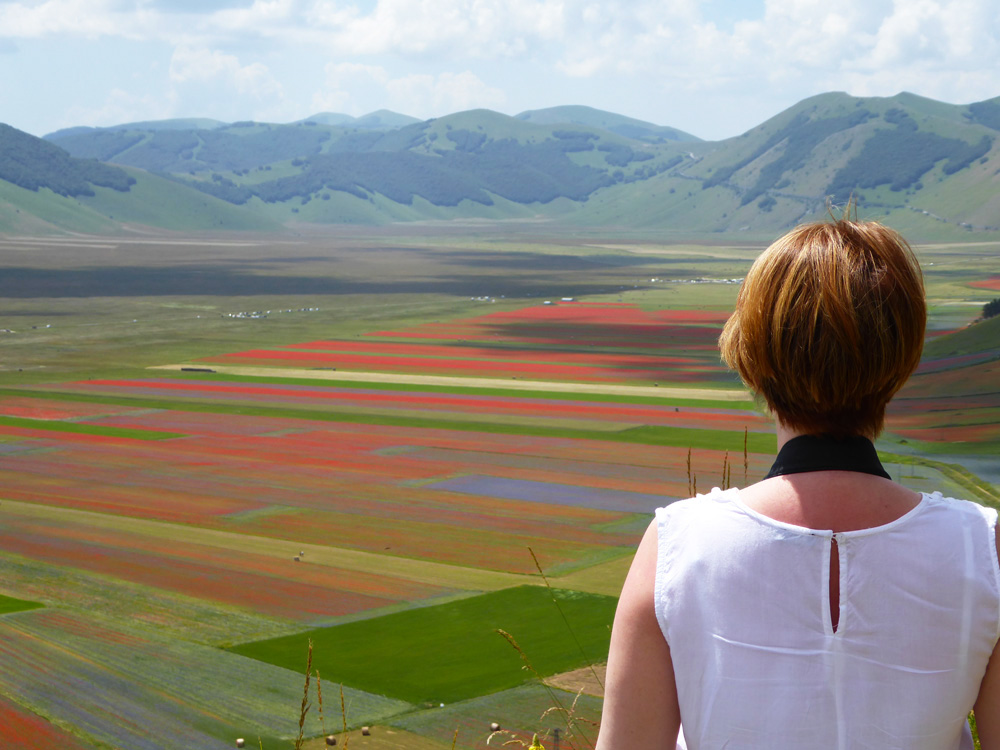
<point>305,698</point>
<point>746,462</point>
<point>319,694</point>
<point>568,713</point>
<point>565,619</point>
<point>343,715</point>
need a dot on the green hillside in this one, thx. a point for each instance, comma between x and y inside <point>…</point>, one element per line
<point>926,167</point>
<point>180,123</point>
<point>983,336</point>
<point>158,202</point>
<point>596,118</point>
<point>33,163</point>
<point>382,119</point>
<point>229,148</point>
<point>44,189</point>
<point>479,163</point>
<point>24,211</point>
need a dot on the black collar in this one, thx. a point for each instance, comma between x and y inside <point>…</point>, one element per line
<point>822,453</point>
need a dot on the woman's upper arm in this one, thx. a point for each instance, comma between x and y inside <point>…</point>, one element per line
<point>640,699</point>
<point>988,703</point>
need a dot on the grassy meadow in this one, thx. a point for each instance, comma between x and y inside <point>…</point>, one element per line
<point>389,442</point>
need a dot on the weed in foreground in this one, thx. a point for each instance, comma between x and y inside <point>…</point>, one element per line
<point>574,724</point>
<point>306,705</point>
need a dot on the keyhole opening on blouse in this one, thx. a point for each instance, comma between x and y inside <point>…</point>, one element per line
<point>834,584</point>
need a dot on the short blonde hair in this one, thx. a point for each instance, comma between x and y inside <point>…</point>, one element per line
<point>829,324</point>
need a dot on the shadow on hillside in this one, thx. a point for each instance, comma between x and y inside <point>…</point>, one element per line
<point>34,313</point>
<point>202,280</point>
<point>664,338</point>
<point>525,261</point>
<point>694,344</point>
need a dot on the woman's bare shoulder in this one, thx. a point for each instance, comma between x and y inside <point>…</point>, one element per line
<point>833,500</point>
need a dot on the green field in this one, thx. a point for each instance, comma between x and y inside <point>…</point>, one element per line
<point>453,651</point>
<point>9,604</point>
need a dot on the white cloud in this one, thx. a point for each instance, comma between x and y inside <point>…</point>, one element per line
<point>263,17</point>
<point>424,56</point>
<point>475,28</point>
<point>356,89</point>
<point>83,18</point>
<point>190,63</point>
<point>670,39</point>
<point>341,80</point>
<point>427,96</point>
<point>944,48</point>
<point>944,32</point>
<point>120,107</point>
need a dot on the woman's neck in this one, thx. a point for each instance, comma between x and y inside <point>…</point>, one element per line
<point>828,499</point>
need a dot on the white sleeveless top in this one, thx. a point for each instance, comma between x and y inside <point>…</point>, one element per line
<point>744,603</point>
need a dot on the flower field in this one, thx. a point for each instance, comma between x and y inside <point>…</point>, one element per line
<point>992,283</point>
<point>24,730</point>
<point>325,398</point>
<point>379,488</point>
<point>159,517</point>
<point>367,468</point>
<point>952,403</point>
<point>135,689</point>
<point>572,341</point>
<point>266,508</point>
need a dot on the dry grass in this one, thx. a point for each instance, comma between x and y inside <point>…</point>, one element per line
<point>604,578</point>
<point>701,394</point>
<point>581,680</point>
<point>306,705</point>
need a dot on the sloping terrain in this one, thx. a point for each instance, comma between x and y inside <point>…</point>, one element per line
<point>952,403</point>
<point>928,168</point>
<point>589,117</point>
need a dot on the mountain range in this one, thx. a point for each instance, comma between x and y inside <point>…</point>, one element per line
<point>929,168</point>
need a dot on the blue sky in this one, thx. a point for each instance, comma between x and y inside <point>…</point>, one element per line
<point>714,68</point>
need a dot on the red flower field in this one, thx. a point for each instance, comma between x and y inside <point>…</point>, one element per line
<point>20,729</point>
<point>581,342</point>
<point>992,283</point>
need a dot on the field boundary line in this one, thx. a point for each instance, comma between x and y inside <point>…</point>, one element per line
<point>703,394</point>
<point>410,569</point>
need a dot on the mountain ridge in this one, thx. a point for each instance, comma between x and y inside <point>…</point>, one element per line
<point>929,166</point>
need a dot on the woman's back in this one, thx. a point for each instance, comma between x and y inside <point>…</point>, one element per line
<point>742,621</point>
<point>761,660</point>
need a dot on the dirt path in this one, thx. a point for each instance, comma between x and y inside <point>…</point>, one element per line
<point>698,394</point>
<point>581,680</point>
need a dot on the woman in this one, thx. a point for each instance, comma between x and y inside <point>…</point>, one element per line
<point>825,606</point>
